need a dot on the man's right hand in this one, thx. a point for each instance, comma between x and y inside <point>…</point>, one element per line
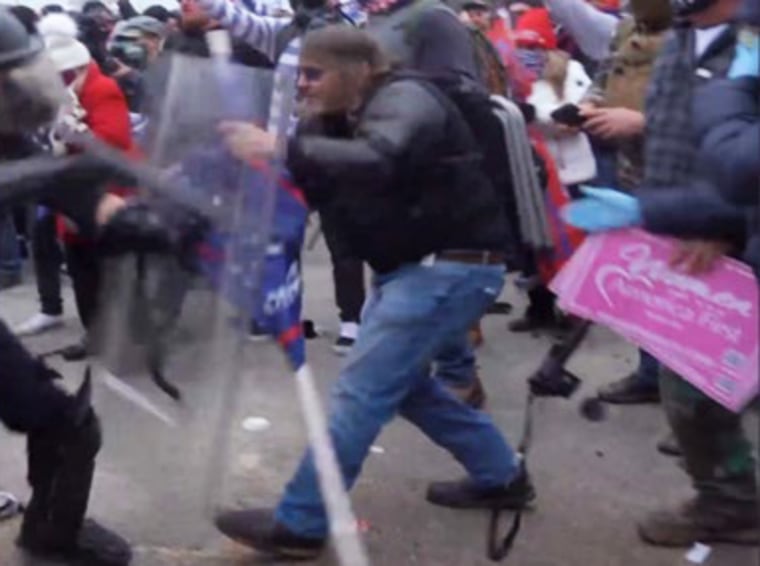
<point>696,257</point>
<point>613,123</point>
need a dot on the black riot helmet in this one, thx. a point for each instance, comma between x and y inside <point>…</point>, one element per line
<point>685,8</point>
<point>17,46</point>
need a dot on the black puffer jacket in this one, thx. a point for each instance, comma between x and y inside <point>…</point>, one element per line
<point>403,180</point>
<point>725,203</point>
<point>727,120</point>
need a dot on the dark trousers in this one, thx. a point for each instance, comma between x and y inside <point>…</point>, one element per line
<point>48,258</point>
<point>541,303</point>
<point>348,273</point>
<point>716,452</point>
<point>84,268</point>
<point>10,257</point>
<point>29,400</point>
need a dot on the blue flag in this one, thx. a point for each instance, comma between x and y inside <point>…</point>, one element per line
<point>275,304</point>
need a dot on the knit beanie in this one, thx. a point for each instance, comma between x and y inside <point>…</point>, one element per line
<point>59,32</point>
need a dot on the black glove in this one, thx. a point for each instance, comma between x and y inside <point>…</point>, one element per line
<point>154,229</point>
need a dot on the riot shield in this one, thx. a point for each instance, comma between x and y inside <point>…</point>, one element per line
<point>171,328</point>
<point>171,338</point>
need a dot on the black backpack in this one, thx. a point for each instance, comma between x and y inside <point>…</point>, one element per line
<point>477,110</point>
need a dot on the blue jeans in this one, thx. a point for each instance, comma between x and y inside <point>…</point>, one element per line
<point>455,362</point>
<point>411,315</point>
<point>648,372</point>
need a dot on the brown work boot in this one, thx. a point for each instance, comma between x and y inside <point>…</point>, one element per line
<point>473,395</point>
<point>475,335</point>
<point>700,520</point>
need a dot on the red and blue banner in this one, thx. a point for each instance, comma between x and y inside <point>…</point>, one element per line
<point>271,297</point>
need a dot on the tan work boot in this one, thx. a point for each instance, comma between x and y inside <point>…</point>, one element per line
<point>701,521</point>
<point>473,395</point>
<point>475,335</point>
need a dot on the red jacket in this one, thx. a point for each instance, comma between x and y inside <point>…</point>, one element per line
<point>107,112</point>
<point>108,120</point>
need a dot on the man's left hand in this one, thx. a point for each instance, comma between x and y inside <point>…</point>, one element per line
<point>698,256</point>
<point>247,141</point>
<point>613,123</point>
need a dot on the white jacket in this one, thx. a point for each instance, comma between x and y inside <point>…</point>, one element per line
<point>571,152</point>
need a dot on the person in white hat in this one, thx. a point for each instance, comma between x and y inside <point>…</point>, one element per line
<point>97,106</point>
<point>69,55</point>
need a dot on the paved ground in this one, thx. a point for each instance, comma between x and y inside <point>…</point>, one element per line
<point>593,480</point>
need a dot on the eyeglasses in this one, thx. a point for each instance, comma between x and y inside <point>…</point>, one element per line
<point>310,74</point>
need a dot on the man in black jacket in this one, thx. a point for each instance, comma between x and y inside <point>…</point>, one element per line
<point>397,159</point>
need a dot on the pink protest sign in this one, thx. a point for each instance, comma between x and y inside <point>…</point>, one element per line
<point>704,327</point>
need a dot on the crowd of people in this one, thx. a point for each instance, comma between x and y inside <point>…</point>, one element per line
<point>385,113</point>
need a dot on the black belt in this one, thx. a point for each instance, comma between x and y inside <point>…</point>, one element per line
<point>473,257</point>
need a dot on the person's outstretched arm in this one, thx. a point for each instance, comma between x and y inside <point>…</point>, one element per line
<point>591,28</point>
<point>260,32</point>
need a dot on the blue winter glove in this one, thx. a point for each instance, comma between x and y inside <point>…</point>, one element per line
<point>603,209</point>
<point>746,62</point>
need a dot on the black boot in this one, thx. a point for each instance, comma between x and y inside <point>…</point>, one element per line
<point>631,390</point>
<point>668,445</point>
<point>61,467</point>
<point>259,529</point>
<point>76,352</point>
<point>465,494</point>
<point>540,313</point>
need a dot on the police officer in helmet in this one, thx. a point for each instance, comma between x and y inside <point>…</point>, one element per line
<point>63,431</point>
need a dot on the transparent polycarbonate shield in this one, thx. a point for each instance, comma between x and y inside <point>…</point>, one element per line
<point>171,327</point>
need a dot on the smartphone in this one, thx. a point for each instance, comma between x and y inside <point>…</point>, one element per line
<point>569,115</point>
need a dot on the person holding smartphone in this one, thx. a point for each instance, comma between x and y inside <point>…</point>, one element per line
<point>613,114</point>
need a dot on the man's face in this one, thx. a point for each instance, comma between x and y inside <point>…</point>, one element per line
<point>193,16</point>
<point>480,17</point>
<point>328,89</point>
